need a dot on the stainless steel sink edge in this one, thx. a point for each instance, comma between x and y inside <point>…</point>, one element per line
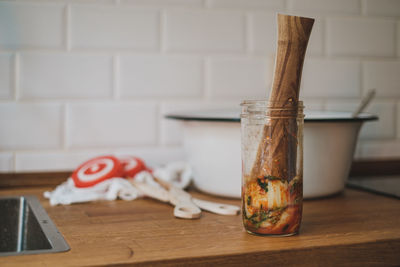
<point>54,237</point>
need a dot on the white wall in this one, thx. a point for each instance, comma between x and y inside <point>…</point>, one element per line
<point>82,78</point>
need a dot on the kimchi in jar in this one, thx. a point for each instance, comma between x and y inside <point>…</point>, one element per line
<point>272,162</point>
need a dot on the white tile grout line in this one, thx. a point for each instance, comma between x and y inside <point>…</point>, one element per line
<point>363,8</point>
<point>324,33</point>
<point>157,122</point>
<point>203,79</point>
<point>63,126</point>
<point>14,163</point>
<point>16,75</point>
<point>115,77</point>
<point>396,39</point>
<point>160,129</point>
<point>32,49</point>
<point>96,51</point>
<point>13,77</point>
<point>206,78</point>
<point>64,133</point>
<point>325,51</point>
<point>361,78</point>
<point>248,45</point>
<point>161,32</point>
<point>67,28</point>
<point>286,6</point>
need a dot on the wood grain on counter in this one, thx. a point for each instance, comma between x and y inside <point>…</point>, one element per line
<point>376,167</point>
<point>354,228</point>
<point>33,179</point>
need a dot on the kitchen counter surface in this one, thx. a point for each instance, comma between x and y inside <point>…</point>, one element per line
<point>353,228</point>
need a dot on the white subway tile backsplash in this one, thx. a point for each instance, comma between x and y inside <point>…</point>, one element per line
<point>316,42</point>
<point>6,76</point>
<point>154,156</point>
<point>91,125</point>
<point>330,78</point>
<point>380,149</point>
<point>172,130</point>
<point>6,162</point>
<point>239,77</point>
<point>66,75</point>
<point>384,128</point>
<point>158,75</point>
<point>384,76</point>
<point>270,4</point>
<point>204,30</point>
<point>263,34</point>
<point>78,78</point>
<point>360,36</point>
<point>326,6</point>
<point>342,105</point>
<point>312,104</point>
<point>30,126</point>
<point>53,161</point>
<point>114,27</point>
<point>382,7</point>
<point>30,25</point>
<point>70,160</point>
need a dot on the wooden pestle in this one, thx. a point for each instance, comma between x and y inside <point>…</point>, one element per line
<point>278,147</point>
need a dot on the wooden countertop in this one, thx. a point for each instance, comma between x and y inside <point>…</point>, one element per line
<point>353,228</point>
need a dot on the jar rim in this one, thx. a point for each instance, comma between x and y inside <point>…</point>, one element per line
<point>267,103</point>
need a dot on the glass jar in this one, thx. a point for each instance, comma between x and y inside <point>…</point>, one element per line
<point>272,167</point>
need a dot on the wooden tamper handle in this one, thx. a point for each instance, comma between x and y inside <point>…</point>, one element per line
<point>277,152</point>
<point>293,35</point>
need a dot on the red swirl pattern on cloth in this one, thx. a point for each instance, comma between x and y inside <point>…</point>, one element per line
<point>97,170</point>
<point>132,165</point>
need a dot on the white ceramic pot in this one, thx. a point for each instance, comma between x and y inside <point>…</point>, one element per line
<point>213,147</point>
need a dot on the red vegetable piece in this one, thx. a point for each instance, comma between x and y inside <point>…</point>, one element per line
<point>97,170</point>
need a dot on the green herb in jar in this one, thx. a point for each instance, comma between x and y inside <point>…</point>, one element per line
<point>263,184</point>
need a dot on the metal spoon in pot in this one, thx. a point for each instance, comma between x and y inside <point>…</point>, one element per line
<point>364,102</point>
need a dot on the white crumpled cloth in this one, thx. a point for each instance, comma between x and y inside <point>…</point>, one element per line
<point>177,173</point>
